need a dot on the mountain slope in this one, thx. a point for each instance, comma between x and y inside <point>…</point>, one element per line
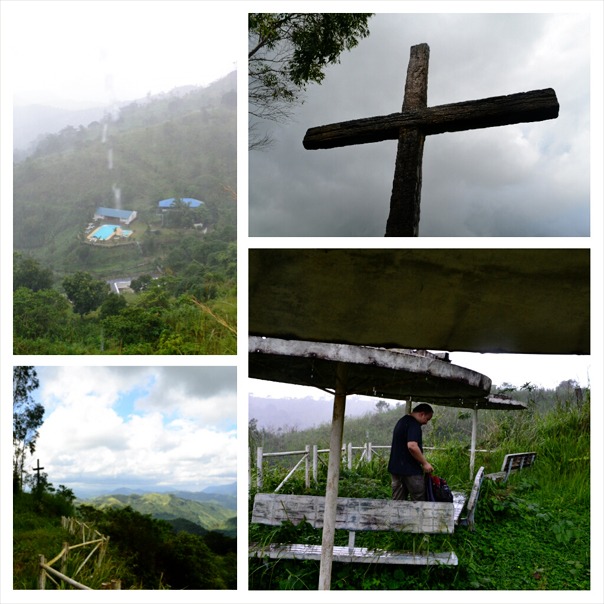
<point>208,515</point>
<point>172,146</point>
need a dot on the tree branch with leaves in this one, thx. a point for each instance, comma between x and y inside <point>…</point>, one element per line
<point>287,51</point>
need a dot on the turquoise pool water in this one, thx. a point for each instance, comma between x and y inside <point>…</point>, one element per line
<point>107,231</point>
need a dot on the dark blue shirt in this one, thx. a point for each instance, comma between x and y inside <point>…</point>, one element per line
<point>407,429</point>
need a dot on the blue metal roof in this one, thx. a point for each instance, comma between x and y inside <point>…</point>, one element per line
<point>192,203</point>
<point>113,213</point>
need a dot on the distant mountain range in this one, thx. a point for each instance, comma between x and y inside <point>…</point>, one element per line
<point>211,513</point>
<point>301,413</point>
<point>33,122</point>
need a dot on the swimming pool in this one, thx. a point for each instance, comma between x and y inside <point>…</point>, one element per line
<point>107,231</point>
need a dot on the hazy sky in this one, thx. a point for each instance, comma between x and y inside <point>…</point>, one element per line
<point>113,51</point>
<point>518,180</point>
<point>151,428</point>
<point>547,371</point>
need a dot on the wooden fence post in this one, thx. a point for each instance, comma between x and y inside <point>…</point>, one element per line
<point>369,452</point>
<point>102,551</point>
<point>64,555</point>
<point>349,453</point>
<point>315,463</point>
<point>42,577</point>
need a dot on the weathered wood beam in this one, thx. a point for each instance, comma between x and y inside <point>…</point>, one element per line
<point>532,106</point>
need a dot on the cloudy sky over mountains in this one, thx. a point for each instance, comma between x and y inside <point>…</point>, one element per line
<point>519,180</point>
<point>149,428</point>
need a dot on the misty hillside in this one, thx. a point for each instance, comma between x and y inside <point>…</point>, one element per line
<point>208,515</point>
<point>31,123</point>
<point>181,145</point>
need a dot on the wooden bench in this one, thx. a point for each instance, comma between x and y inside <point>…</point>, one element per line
<point>513,462</point>
<point>356,514</point>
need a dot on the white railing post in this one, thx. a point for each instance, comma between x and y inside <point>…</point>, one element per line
<point>369,452</point>
<point>349,448</point>
<point>307,467</point>
<point>259,467</point>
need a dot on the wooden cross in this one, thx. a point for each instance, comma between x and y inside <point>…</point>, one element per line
<point>37,469</point>
<point>415,121</point>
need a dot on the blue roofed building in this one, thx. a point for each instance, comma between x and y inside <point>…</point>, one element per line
<point>124,216</point>
<point>169,203</point>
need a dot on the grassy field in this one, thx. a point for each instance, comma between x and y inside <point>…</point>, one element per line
<point>532,533</point>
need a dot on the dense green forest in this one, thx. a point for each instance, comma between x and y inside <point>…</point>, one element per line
<point>532,532</point>
<point>143,553</point>
<point>181,261</point>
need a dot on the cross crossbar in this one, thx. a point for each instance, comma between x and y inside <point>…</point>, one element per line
<point>533,106</point>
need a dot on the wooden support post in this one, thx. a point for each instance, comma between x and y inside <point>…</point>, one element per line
<point>333,476</point>
<point>315,463</point>
<point>473,442</point>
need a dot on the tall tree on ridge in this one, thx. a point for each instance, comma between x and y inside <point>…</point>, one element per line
<point>27,418</point>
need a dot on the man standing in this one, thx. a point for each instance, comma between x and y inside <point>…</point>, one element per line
<point>407,463</point>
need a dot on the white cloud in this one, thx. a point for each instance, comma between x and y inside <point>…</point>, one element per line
<point>110,427</point>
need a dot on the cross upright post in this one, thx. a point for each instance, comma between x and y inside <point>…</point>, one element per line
<point>416,120</point>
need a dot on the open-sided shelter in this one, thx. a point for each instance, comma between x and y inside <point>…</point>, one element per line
<point>481,300</point>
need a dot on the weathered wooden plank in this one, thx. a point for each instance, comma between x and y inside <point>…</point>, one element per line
<point>459,500</point>
<point>532,106</point>
<point>514,461</point>
<point>353,554</point>
<point>356,514</point>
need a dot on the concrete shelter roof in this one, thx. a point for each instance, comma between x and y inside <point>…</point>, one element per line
<point>533,301</point>
<point>376,372</point>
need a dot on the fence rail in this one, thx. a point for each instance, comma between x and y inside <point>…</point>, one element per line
<point>311,459</point>
<point>90,537</point>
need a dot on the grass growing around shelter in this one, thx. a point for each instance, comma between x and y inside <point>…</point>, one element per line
<point>532,533</point>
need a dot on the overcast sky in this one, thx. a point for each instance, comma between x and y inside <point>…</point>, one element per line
<point>91,52</point>
<point>277,404</point>
<point>518,180</point>
<point>150,428</point>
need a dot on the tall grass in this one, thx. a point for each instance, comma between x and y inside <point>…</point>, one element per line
<point>532,532</point>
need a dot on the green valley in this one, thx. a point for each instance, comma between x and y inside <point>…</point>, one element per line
<point>209,515</point>
<point>166,282</point>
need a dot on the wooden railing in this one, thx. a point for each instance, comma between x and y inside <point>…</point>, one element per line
<point>90,538</point>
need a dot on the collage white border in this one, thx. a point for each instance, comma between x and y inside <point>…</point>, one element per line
<point>239,10</point>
